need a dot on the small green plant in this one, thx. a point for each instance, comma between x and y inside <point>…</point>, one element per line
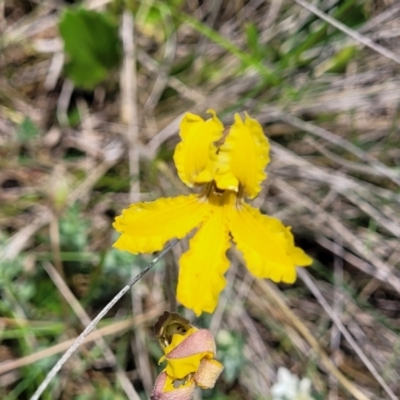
<point>92,45</point>
<point>27,130</point>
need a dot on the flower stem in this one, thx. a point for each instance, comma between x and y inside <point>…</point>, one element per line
<point>93,324</point>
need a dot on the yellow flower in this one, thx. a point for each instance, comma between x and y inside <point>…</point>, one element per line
<point>228,164</point>
<point>189,353</point>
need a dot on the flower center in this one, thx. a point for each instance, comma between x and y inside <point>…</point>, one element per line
<point>221,197</point>
<point>221,140</point>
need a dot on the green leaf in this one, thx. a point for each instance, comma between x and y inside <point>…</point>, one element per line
<point>247,59</point>
<point>338,62</point>
<point>252,39</point>
<point>73,230</point>
<point>92,44</point>
<point>27,130</point>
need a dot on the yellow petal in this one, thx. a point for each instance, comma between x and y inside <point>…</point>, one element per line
<point>299,257</point>
<point>243,157</point>
<point>146,227</point>
<point>197,341</point>
<point>202,267</point>
<point>181,367</point>
<point>165,389</point>
<point>267,245</point>
<point>195,155</point>
<point>176,341</point>
<point>186,357</point>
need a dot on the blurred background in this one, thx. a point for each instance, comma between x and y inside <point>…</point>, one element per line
<point>91,96</point>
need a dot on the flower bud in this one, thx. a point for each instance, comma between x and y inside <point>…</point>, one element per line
<point>189,353</point>
<point>185,358</point>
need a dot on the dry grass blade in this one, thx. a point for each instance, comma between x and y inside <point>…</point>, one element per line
<point>129,112</point>
<point>19,240</point>
<point>277,298</point>
<point>381,18</point>
<point>112,153</point>
<point>352,33</point>
<point>354,191</point>
<point>332,138</point>
<point>85,320</point>
<point>383,271</point>
<point>112,329</point>
<point>130,116</point>
<point>318,295</point>
<point>79,340</point>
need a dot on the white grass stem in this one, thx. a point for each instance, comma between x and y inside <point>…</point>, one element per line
<point>129,111</point>
<point>322,133</point>
<point>109,356</point>
<point>366,41</point>
<point>92,325</point>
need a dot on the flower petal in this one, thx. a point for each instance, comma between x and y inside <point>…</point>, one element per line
<point>185,358</point>
<point>146,227</point>
<point>299,257</point>
<point>202,267</point>
<point>243,157</point>
<point>267,245</point>
<point>195,155</point>
<point>208,373</point>
<point>164,389</point>
<point>177,339</point>
<point>197,341</point>
<point>181,367</point>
